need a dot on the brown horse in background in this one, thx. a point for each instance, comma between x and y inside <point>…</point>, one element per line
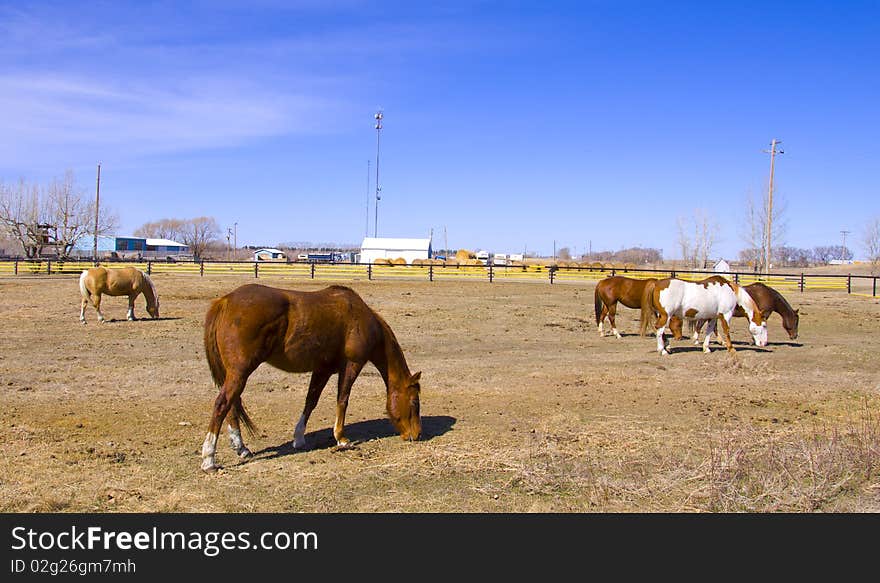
<point>768,300</point>
<point>326,332</point>
<point>628,291</point>
<point>126,281</point>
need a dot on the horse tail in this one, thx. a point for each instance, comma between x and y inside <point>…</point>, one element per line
<point>83,289</point>
<point>239,412</point>
<point>647,306</point>
<point>212,349</point>
<point>215,363</point>
<point>599,305</point>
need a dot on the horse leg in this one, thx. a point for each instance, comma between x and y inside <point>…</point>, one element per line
<point>602,320</point>
<point>710,329</point>
<point>235,440</point>
<point>662,319</point>
<point>725,327</point>
<point>612,311</point>
<point>130,314</point>
<point>229,392</point>
<point>698,327</point>
<point>316,385</point>
<point>347,377</point>
<point>96,301</point>
<point>82,309</point>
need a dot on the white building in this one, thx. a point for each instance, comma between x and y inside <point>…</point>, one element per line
<point>721,266</point>
<point>269,254</point>
<point>389,248</point>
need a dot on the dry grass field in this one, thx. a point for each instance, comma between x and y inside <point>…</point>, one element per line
<point>525,409</point>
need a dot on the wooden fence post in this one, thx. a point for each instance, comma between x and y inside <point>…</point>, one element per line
<point>49,267</point>
<point>313,270</point>
<point>369,271</point>
<point>149,268</point>
<point>430,273</point>
<point>256,270</point>
<point>874,291</point>
<point>201,267</point>
<point>803,283</point>
<point>16,267</point>
<point>490,273</point>
<point>849,283</point>
<point>552,271</point>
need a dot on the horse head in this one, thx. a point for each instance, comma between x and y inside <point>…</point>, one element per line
<point>403,407</point>
<point>152,297</point>
<point>791,324</point>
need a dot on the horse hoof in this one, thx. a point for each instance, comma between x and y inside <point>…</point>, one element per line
<point>664,352</point>
<point>245,454</point>
<point>706,350</point>
<point>299,444</point>
<point>210,468</point>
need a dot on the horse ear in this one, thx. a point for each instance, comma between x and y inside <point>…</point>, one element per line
<point>797,311</point>
<point>415,378</point>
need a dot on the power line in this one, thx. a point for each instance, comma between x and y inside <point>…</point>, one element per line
<point>843,251</point>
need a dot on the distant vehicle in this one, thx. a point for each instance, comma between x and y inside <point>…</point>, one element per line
<point>499,259</point>
<point>483,256</point>
<point>302,257</point>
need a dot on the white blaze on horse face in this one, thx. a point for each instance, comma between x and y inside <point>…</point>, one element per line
<point>299,433</point>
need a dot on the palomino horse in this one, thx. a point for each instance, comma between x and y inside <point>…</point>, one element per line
<point>768,300</point>
<point>326,332</point>
<point>126,281</point>
<point>701,300</point>
<point>627,291</point>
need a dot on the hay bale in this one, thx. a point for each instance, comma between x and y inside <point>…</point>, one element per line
<point>463,255</point>
<point>398,261</point>
<point>381,261</point>
<point>451,263</point>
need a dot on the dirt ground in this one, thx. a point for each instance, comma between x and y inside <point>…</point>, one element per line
<point>525,409</point>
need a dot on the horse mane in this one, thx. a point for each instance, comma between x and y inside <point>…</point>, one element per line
<point>149,280</point>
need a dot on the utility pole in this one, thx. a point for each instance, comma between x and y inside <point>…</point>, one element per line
<point>228,238</point>
<point>378,117</point>
<point>367,231</point>
<point>97,202</point>
<point>445,243</point>
<point>234,241</point>
<point>769,226</point>
<point>843,251</point>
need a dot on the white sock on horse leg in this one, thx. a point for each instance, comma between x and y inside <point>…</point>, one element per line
<point>209,447</point>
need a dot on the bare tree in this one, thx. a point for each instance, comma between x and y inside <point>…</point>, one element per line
<point>755,227</point>
<point>55,217</point>
<point>564,254</point>
<point>696,249</point>
<point>871,241</point>
<point>199,233</point>
<point>20,216</point>
<point>70,215</point>
<point>172,229</point>
<point>684,241</point>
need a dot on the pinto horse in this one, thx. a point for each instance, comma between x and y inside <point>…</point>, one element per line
<point>628,291</point>
<point>325,332</point>
<point>708,300</point>
<point>768,300</point>
<point>126,281</point>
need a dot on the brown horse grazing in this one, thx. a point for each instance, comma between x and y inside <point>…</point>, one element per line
<point>627,291</point>
<point>126,281</point>
<point>326,332</point>
<point>768,300</point>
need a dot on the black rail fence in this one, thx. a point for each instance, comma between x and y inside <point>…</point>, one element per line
<point>865,285</point>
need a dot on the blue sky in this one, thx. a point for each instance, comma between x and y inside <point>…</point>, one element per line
<point>511,124</point>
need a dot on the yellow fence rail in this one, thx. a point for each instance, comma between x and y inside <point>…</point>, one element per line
<point>343,272</point>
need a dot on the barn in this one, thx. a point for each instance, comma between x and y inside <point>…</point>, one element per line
<point>269,254</point>
<point>391,248</point>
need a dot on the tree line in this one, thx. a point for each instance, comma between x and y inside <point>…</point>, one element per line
<point>52,218</point>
